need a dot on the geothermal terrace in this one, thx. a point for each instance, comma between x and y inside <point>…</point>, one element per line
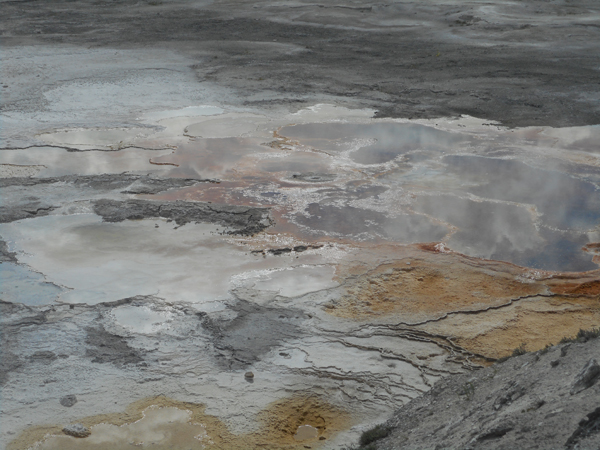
<point>266,224</point>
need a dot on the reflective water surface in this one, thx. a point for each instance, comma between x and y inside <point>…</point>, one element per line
<point>397,252</point>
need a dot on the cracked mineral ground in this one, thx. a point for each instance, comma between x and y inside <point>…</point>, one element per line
<point>238,225</point>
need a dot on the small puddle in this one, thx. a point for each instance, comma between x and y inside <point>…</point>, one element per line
<point>141,319</point>
<point>104,138</point>
<point>368,225</point>
<point>213,158</point>
<point>54,162</point>
<point>297,162</point>
<point>292,282</point>
<point>228,125</point>
<point>306,432</point>
<point>190,111</point>
<point>159,428</point>
<point>563,201</point>
<point>20,285</point>
<point>372,143</point>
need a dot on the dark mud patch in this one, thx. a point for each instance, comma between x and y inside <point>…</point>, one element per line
<point>19,203</point>
<point>407,60</point>
<point>9,362</point>
<point>240,219</point>
<point>27,210</point>
<point>109,348</point>
<point>130,184</point>
<point>254,332</point>
<point>10,358</point>
<point>287,250</point>
<point>5,254</point>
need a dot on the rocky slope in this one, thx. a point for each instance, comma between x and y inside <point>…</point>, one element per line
<point>548,399</point>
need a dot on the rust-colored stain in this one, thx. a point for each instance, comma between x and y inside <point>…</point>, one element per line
<point>489,308</point>
<point>587,288</point>
<point>592,247</point>
<point>418,290</point>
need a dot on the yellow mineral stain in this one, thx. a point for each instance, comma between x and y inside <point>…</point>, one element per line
<point>282,419</point>
<point>487,307</point>
<point>534,322</point>
<point>163,423</point>
<point>414,290</point>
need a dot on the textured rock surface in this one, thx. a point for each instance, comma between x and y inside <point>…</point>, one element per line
<point>77,430</point>
<point>68,400</point>
<point>240,219</point>
<point>524,402</point>
<point>587,377</point>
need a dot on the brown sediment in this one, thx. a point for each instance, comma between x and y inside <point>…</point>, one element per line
<point>435,247</point>
<point>416,290</point>
<point>279,423</point>
<point>587,288</point>
<point>282,142</point>
<point>286,227</point>
<point>223,192</point>
<point>535,323</point>
<point>282,419</point>
<point>584,283</point>
<point>593,247</point>
<point>487,307</point>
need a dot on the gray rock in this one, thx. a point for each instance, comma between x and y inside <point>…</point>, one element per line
<point>68,400</point>
<point>513,392</point>
<point>588,427</point>
<point>240,219</point>
<point>496,432</point>
<point>5,254</point>
<point>77,430</point>
<point>45,357</point>
<point>587,377</point>
<point>520,403</point>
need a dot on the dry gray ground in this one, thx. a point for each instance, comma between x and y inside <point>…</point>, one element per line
<point>520,63</point>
